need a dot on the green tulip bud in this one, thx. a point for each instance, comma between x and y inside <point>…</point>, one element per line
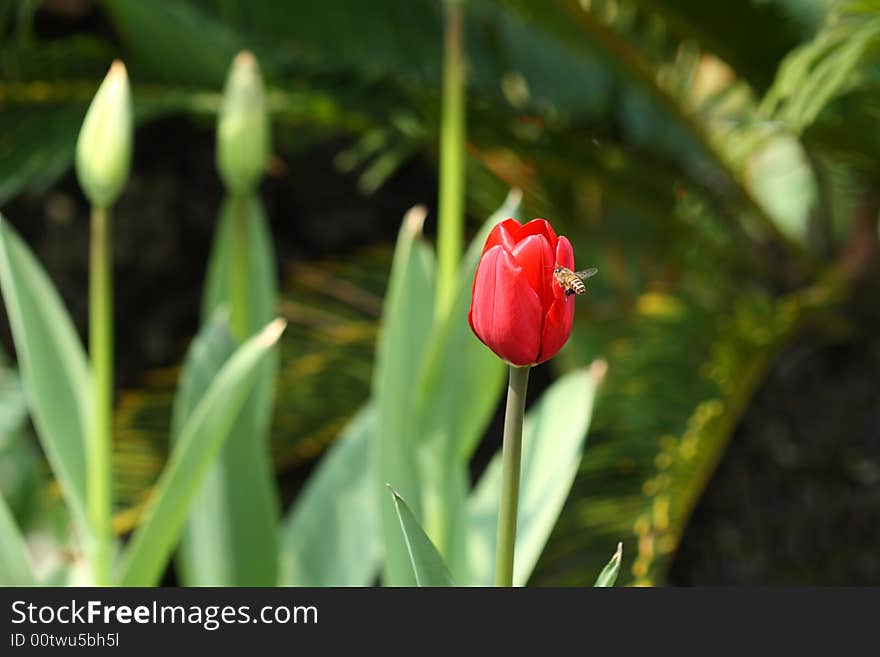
<point>243,127</point>
<point>103,150</point>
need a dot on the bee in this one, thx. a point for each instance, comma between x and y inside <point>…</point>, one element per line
<point>573,281</point>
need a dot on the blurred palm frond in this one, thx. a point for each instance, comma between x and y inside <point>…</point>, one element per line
<point>326,353</point>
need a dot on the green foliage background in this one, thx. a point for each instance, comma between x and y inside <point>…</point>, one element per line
<point>716,161</point>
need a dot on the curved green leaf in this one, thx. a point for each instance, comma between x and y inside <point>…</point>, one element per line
<point>155,32</point>
<point>331,534</point>
<point>15,567</point>
<point>458,392</point>
<point>201,560</point>
<point>198,444</point>
<point>477,377</point>
<point>427,564</point>
<point>235,517</point>
<point>53,366</point>
<point>407,320</point>
<point>609,573</point>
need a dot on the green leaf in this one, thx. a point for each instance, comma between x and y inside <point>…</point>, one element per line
<point>156,32</point>
<point>781,180</point>
<point>263,293</point>
<point>22,466</point>
<point>478,375</point>
<point>770,29</point>
<point>201,560</point>
<point>814,74</point>
<point>15,567</point>
<point>197,446</point>
<point>609,573</point>
<point>407,321</point>
<point>41,149</point>
<point>656,119</point>
<point>553,440</point>
<point>331,534</point>
<point>235,516</point>
<point>52,363</point>
<point>458,393</point>
<point>427,564</point>
<point>46,86</point>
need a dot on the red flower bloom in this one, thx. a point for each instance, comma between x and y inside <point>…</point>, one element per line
<point>518,309</point>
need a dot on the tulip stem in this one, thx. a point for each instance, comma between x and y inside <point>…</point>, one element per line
<point>511,457</point>
<point>99,447</point>
<point>450,225</point>
<point>238,290</point>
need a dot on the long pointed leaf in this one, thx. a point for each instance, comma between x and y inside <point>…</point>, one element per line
<point>427,564</point>
<point>235,517</point>
<point>553,439</point>
<point>200,560</point>
<point>477,377</point>
<point>15,567</point>
<point>53,366</point>
<point>406,325</point>
<point>458,392</point>
<point>199,443</point>
<point>331,535</point>
<point>609,573</point>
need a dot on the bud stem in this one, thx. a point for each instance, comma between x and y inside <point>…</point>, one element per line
<point>238,312</point>
<point>101,353</point>
<point>511,457</point>
<point>450,225</point>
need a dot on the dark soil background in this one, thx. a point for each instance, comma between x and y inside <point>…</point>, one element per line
<point>796,499</point>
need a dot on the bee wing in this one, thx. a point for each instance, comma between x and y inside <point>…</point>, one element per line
<point>586,273</point>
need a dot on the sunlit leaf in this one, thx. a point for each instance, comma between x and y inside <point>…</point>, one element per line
<point>781,180</point>
<point>201,559</point>
<point>330,536</point>
<point>235,516</point>
<point>407,320</point>
<point>52,363</point>
<point>198,444</point>
<point>458,392</point>
<point>609,573</point>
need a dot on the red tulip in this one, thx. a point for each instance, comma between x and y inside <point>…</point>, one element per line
<point>518,309</point>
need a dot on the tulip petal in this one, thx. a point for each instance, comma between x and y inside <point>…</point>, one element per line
<point>536,257</point>
<point>557,323</point>
<point>537,227</point>
<point>503,233</point>
<point>506,312</point>
<point>557,327</point>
